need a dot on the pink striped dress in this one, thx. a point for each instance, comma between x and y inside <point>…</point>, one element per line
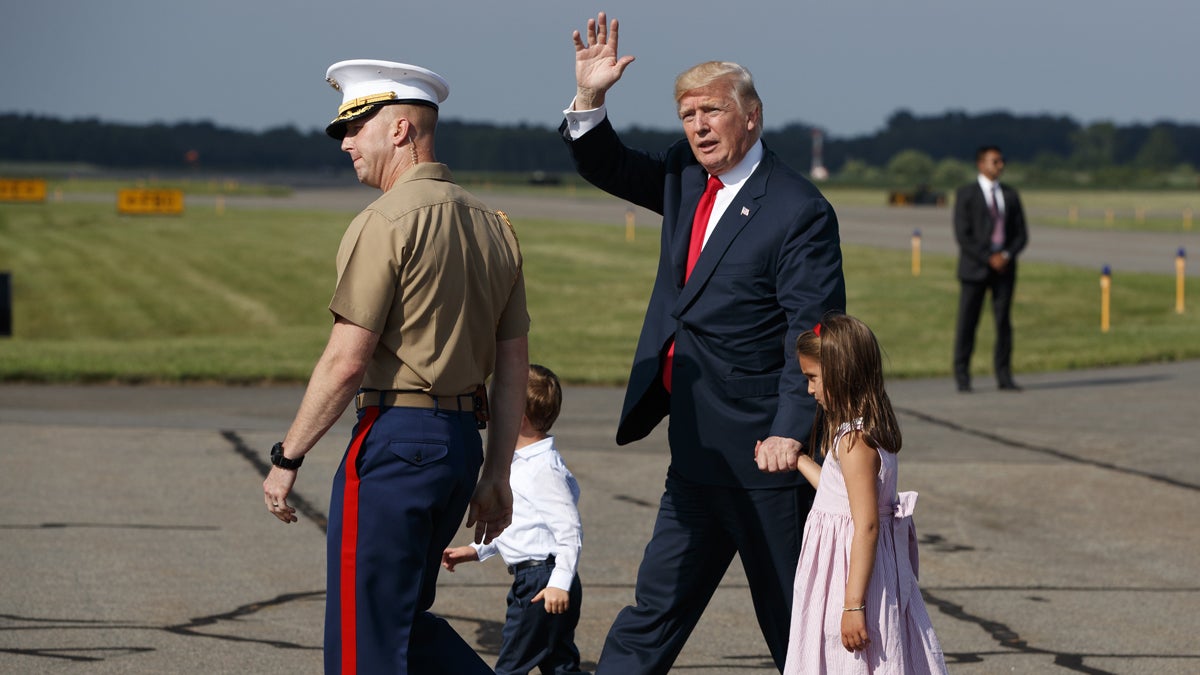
<point>901,633</point>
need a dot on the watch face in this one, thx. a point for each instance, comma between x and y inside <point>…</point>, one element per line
<point>282,462</point>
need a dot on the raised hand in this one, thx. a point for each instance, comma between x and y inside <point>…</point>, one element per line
<point>597,66</point>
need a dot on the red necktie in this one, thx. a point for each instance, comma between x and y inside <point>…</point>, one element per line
<point>695,243</point>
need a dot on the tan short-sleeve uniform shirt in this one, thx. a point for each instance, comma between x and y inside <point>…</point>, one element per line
<point>438,275</point>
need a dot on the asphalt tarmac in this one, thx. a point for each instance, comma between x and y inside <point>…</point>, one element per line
<point>1058,526</point>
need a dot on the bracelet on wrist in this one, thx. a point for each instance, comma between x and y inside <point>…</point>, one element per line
<point>860,608</point>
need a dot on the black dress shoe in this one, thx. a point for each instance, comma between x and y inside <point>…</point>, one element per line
<point>964,388</point>
<point>1009,386</point>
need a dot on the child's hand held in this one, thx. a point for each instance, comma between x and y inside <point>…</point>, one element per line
<point>453,556</point>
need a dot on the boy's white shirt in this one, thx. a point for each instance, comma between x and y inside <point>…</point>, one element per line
<point>545,517</point>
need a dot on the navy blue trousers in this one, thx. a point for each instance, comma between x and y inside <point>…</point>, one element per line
<point>398,499</point>
<point>534,638</point>
<point>698,530</point>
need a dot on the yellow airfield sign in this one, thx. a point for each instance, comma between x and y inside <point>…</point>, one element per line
<point>22,190</point>
<point>149,202</point>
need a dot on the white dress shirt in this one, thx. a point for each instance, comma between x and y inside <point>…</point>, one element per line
<point>545,520</point>
<point>579,122</point>
<point>987,184</point>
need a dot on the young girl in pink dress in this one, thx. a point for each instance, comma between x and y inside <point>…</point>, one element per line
<point>857,608</point>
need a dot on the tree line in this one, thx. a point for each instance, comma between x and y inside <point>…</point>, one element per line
<point>936,149</point>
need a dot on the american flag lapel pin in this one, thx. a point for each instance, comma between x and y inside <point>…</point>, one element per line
<point>745,211</point>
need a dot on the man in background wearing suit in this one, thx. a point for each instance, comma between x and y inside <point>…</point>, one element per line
<point>750,257</point>
<point>989,225</point>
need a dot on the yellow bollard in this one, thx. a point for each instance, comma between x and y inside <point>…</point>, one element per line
<point>1073,215</point>
<point>629,222</point>
<point>1140,215</point>
<point>1187,219</point>
<point>916,253</point>
<point>1105,293</point>
<point>1109,216</point>
<point>1180,275</point>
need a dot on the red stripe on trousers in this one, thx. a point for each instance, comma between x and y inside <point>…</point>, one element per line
<point>350,544</point>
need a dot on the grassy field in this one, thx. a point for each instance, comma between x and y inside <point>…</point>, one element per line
<point>241,298</point>
<point>1134,210</point>
<point>1129,210</point>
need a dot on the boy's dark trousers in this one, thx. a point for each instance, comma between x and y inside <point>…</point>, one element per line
<point>533,638</point>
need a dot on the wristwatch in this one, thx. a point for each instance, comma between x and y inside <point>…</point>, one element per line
<point>282,462</point>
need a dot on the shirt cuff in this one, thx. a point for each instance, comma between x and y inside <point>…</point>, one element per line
<point>484,551</point>
<point>561,579</point>
<point>579,122</point>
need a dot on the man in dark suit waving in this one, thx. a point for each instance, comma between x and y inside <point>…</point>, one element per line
<point>989,225</point>
<point>750,257</point>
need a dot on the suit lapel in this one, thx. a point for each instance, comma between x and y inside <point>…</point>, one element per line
<point>692,181</point>
<point>736,217</point>
<point>1009,199</point>
<point>983,211</point>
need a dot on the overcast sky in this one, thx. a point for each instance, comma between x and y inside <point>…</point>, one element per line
<point>842,65</point>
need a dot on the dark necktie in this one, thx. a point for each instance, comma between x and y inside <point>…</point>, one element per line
<point>695,243</point>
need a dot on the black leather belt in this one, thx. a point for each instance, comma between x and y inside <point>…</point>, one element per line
<point>526,564</point>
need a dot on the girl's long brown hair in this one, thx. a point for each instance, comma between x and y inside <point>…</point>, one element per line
<point>852,372</point>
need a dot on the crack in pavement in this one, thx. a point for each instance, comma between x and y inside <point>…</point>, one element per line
<point>1058,454</point>
<point>191,628</point>
<point>488,633</point>
<point>1011,640</point>
<point>296,499</point>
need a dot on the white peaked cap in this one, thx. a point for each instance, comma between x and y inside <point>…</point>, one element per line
<point>367,84</point>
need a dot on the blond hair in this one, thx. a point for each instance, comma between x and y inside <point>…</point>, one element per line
<point>741,82</point>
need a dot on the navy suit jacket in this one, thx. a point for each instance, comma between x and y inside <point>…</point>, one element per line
<point>771,268</point>
<point>973,230</point>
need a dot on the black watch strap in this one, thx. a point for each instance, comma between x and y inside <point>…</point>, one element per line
<point>282,462</point>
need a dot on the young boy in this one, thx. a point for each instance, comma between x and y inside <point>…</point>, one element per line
<point>541,546</point>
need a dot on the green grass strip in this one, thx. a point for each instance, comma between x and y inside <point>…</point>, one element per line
<point>241,297</point>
